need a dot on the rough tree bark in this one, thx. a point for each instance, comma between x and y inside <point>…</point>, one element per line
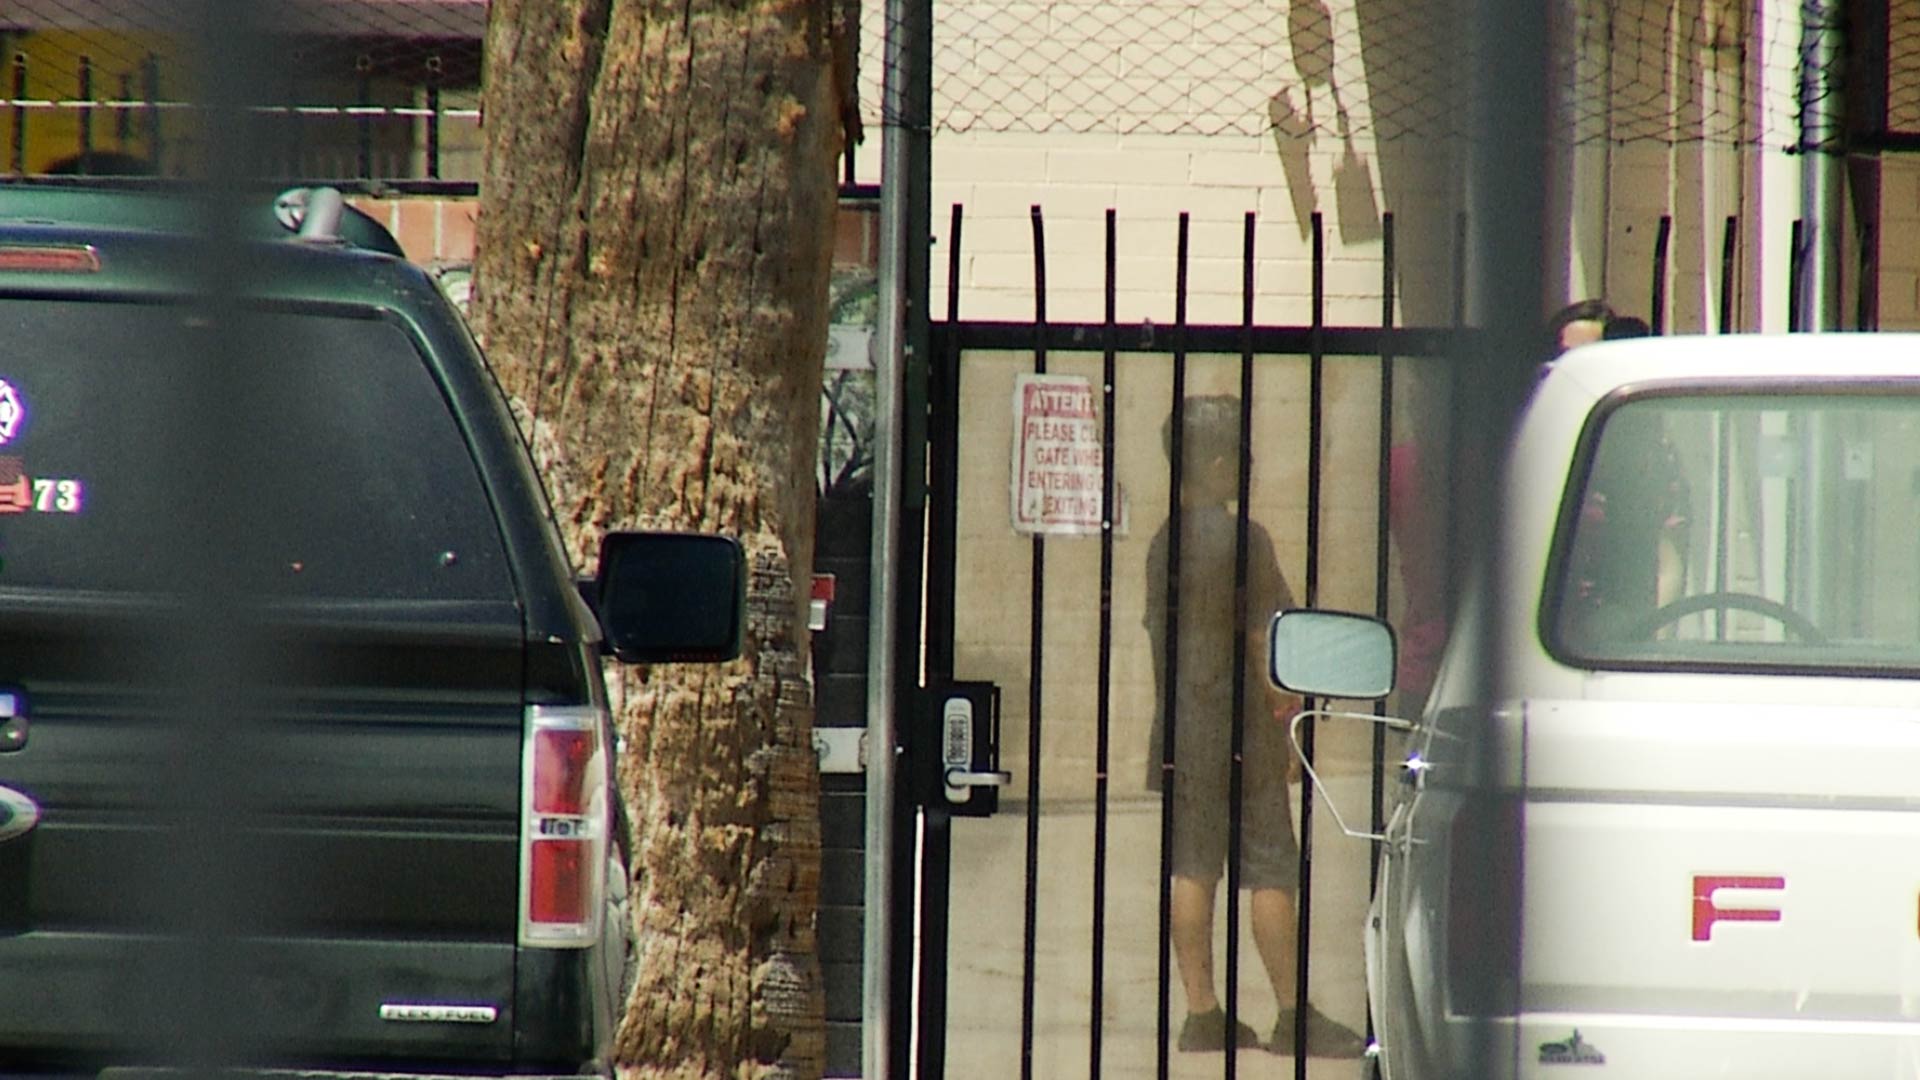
<point>655,235</point>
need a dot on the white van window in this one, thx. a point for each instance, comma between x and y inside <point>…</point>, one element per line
<point>1746,530</point>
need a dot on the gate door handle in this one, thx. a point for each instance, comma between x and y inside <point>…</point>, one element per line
<point>962,778</point>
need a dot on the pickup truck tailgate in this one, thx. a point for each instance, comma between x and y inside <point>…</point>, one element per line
<point>302,857</point>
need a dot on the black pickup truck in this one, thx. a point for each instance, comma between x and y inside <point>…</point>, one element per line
<point>305,759</point>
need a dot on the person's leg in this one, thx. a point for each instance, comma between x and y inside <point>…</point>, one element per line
<point>1274,936</point>
<point>1191,916</point>
<point>1198,856</point>
<point>1271,869</point>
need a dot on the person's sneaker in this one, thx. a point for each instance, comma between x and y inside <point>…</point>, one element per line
<point>1208,1031</point>
<point>1326,1037</point>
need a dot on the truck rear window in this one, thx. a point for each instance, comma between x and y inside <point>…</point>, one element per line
<point>313,448</point>
<point>1745,530</point>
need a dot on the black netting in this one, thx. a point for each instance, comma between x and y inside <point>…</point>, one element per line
<point>390,88</point>
<point>1903,66</point>
<point>1671,71</point>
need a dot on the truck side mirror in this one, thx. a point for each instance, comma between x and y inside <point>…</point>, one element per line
<point>1334,654</point>
<point>671,597</point>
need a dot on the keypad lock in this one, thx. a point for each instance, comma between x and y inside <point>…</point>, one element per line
<point>967,775</point>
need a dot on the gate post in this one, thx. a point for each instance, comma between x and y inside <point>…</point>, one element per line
<point>900,364</point>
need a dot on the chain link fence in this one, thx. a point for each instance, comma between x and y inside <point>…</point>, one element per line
<point>1672,71</point>
<point>390,88</point>
<point>1902,60</point>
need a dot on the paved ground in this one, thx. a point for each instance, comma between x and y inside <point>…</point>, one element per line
<point>985,965</point>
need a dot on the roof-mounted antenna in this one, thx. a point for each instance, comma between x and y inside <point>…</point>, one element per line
<point>324,210</point>
<point>312,214</point>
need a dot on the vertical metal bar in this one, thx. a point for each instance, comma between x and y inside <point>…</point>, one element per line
<point>1657,306</point>
<point>1316,372</point>
<point>908,177</point>
<point>1723,505</point>
<point>935,909</point>
<point>123,117</point>
<point>944,466</point>
<point>1822,101</point>
<point>1866,305</point>
<point>19,149</point>
<point>291,126</point>
<point>887,951</point>
<point>1506,195</point>
<point>1383,534</point>
<point>1797,437</point>
<point>1867,59</point>
<point>364,123</point>
<point>1796,276</point>
<point>1316,398</point>
<point>1035,672</point>
<point>1456,433</point>
<point>935,902</point>
<point>433,118</point>
<point>1728,240</point>
<point>1170,657</point>
<point>150,93</point>
<point>86,114</point>
<point>1237,735</point>
<point>1103,709</point>
<point>220,687</point>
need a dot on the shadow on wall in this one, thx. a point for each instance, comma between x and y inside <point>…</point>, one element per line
<point>1296,131</point>
<point>1411,53</point>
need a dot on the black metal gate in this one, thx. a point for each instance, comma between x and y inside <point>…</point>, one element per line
<point>1047,938</point>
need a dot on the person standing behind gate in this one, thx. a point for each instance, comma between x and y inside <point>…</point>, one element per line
<point>1203,734</point>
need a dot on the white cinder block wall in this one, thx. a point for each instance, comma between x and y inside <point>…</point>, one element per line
<point>1148,180</point>
<point>1156,108</point>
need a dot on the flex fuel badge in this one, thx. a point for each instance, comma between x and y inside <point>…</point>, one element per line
<point>407,1012</point>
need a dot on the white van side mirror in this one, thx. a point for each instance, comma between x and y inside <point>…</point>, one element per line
<point>1336,654</point>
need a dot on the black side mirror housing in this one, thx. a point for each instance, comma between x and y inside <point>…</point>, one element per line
<point>671,597</point>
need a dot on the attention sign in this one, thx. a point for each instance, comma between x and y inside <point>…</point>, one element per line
<point>1057,460</point>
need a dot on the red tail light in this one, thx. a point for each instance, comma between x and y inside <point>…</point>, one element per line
<point>1483,907</point>
<point>565,819</point>
<point>560,763</point>
<point>50,258</point>
<point>559,890</point>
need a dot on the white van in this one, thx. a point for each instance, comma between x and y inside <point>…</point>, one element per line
<point>1704,808</point>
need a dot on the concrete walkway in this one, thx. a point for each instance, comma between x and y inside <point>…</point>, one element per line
<point>985,964</point>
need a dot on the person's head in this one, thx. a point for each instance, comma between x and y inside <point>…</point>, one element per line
<point>1625,326</point>
<point>1579,323</point>
<point>1209,447</point>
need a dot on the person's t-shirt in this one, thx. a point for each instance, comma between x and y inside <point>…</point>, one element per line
<point>1637,494</point>
<point>1204,697</point>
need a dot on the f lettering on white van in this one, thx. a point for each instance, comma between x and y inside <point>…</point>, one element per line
<point>1706,912</point>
